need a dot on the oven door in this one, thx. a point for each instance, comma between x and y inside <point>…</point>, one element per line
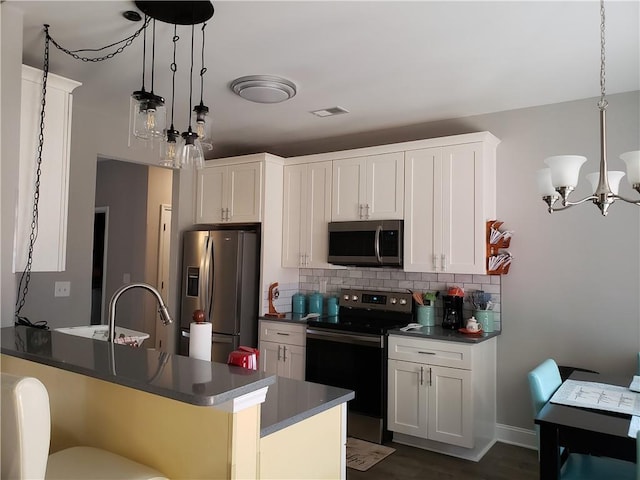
<point>355,361</point>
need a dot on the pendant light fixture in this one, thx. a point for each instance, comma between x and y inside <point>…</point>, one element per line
<point>147,110</point>
<point>561,178</point>
<point>172,141</point>
<point>191,154</point>
<point>200,116</point>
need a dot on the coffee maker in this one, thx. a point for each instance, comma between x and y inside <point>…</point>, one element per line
<point>452,318</point>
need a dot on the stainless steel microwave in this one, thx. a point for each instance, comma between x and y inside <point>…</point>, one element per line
<point>369,243</point>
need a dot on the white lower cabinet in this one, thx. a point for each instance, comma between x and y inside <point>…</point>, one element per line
<point>283,348</point>
<point>441,395</point>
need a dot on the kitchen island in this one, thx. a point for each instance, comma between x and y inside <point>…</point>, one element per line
<point>185,417</point>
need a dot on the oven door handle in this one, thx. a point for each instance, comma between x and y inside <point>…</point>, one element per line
<point>351,338</point>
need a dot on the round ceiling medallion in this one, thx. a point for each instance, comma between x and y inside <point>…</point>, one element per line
<point>263,88</point>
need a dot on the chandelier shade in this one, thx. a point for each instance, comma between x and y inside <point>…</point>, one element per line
<point>565,169</point>
<point>545,187</point>
<point>614,177</point>
<point>632,160</point>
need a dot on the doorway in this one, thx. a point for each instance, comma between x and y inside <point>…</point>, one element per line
<point>99,270</point>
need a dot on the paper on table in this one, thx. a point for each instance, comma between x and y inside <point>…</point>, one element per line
<point>635,384</point>
<point>634,425</point>
<point>599,396</point>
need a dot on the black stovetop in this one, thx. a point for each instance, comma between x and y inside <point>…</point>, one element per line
<point>361,321</point>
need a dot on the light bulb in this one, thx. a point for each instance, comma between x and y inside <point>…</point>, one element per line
<point>151,120</point>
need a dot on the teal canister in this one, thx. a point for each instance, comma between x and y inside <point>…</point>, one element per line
<point>298,302</point>
<point>332,306</point>
<point>315,303</point>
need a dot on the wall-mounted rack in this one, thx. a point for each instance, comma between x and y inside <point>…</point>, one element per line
<point>498,261</point>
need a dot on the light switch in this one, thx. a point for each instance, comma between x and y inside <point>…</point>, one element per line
<point>62,289</point>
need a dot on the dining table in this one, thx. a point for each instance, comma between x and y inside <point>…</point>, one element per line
<point>583,430</point>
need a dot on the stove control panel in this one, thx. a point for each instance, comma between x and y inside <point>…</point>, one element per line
<point>376,300</point>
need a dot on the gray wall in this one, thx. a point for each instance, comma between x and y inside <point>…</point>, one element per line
<point>122,187</point>
<point>573,290</point>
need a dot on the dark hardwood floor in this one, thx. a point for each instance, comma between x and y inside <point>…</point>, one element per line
<point>502,462</point>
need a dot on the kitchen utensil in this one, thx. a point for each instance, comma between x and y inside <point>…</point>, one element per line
<point>418,298</point>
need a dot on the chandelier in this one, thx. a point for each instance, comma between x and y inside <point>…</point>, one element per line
<point>147,119</point>
<point>556,182</point>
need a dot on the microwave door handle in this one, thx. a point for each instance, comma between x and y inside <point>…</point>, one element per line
<point>377,243</point>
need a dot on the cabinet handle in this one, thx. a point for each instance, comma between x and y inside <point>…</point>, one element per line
<point>443,259</point>
<point>282,333</point>
<point>421,375</point>
<point>427,353</point>
<point>435,261</point>
<point>279,347</point>
<point>301,260</point>
<point>284,357</point>
<point>228,215</point>
<point>360,206</point>
<point>430,377</point>
<point>222,217</point>
<point>366,211</point>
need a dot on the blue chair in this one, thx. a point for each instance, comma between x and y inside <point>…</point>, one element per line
<point>544,380</point>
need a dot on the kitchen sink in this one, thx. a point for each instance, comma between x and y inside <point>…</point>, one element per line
<point>101,332</point>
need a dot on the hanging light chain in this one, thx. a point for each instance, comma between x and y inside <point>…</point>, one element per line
<point>25,278</point>
<point>602,104</point>
<point>127,42</point>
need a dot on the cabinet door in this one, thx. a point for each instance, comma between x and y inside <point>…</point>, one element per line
<point>318,215</point>
<point>450,406</point>
<point>211,195</point>
<point>421,202</point>
<point>270,357</point>
<point>245,193</point>
<point>49,252</point>
<point>294,216</point>
<point>349,189</point>
<point>463,221</point>
<point>407,398</point>
<point>384,186</point>
<point>293,362</point>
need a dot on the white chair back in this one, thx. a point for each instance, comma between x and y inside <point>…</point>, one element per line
<point>26,428</point>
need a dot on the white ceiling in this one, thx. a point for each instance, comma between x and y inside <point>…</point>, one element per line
<point>390,63</point>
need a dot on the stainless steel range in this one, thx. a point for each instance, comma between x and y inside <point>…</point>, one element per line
<point>350,351</point>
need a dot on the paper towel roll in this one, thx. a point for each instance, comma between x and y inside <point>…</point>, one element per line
<point>200,341</point>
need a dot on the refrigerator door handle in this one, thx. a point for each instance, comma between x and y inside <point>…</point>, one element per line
<point>206,285</point>
<point>211,277</point>
<point>222,338</point>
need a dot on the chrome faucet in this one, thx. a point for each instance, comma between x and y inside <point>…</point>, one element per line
<point>162,308</point>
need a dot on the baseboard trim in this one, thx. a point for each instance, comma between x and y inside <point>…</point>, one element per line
<point>521,437</point>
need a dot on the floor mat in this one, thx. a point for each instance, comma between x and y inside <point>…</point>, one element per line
<point>363,455</point>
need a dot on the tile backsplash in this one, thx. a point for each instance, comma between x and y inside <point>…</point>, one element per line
<point>331,281</point>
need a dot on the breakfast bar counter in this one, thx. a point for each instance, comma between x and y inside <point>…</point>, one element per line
<point>185,417</point>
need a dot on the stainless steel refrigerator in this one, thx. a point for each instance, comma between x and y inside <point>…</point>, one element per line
<point>220,276</point>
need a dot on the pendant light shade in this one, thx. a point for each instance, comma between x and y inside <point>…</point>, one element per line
<point>200,119</point>
<point>148,115</point>
<point>169,149</point>
<point>191,154</point>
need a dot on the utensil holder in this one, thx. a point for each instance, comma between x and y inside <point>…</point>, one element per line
<point>485,318</point>
<point>426,315</point>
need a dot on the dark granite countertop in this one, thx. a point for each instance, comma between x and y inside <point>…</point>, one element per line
<point>290,401</point>
<point>439,333</point>
<point>172,376</point>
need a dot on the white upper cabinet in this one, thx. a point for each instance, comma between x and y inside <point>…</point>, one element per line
<point>307,211</point>
<point>368,188</point>
<point>449,195</point>
<point>49,253</point>
<point>229,193</point>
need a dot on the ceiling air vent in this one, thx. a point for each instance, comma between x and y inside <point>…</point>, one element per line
<point>329,112</point>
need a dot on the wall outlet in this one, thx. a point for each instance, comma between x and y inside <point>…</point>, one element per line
<point>62,289</point>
